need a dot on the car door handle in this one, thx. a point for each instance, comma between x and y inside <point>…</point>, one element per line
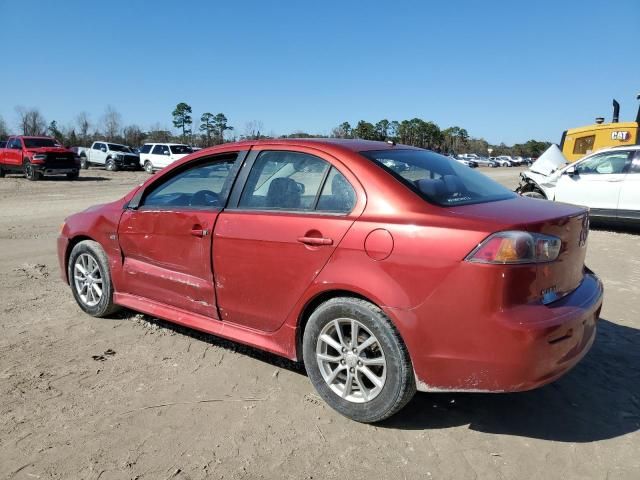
<point>199,232</point>
<point>315,241</point>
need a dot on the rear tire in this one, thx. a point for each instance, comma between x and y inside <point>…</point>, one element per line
<point>90,279</point>
<point>148,167</point>
<point>368,380</point>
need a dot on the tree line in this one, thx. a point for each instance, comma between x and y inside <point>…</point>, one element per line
<point>213,129</point>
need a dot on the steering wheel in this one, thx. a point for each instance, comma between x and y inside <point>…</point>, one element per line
<point>204,198</point>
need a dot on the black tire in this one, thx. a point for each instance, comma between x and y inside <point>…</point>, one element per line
<point>111,165</point>
<point>2,173</point>
<point>399,385</point>
<point>30,173</point>
<point>534,194</point>
<point>73,176</point>
<point>105,305</point>
<point>148,167</point>
<point>84,164</point>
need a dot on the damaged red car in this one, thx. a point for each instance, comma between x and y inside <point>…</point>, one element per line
<point>385,268</point>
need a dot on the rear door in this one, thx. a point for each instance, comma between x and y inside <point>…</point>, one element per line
<point>629,203</point>
<point>166,239</point>
<point>286,215</point>
<point>596,183</point>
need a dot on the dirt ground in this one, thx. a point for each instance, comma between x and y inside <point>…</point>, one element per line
<point>136,398</point>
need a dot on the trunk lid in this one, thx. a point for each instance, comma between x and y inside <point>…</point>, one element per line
<point>570,223</point>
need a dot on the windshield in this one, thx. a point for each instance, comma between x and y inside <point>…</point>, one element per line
<point>114,147</point>
<point>40,142</point>
<point>180,149</point>
<point>439,179</point>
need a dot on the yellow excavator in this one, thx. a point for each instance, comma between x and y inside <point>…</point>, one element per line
<point>581,141</point>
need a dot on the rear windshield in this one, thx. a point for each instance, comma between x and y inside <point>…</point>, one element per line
<point>439,179</point>
<point>40,142</point>
<point>180,149</point>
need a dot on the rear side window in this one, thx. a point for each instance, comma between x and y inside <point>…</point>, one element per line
<point>281,180</point>
<point>160,150</point>
<point>181,149</point>
<point>438,179</point>
<point>337,194</point>
<point>146,148</point>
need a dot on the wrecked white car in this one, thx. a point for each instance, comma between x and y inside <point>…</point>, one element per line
<point>608,181</point>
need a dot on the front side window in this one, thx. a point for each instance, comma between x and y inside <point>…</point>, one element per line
<point>282,180</point>
<point>15,144</point>
<point>145,148</point>
<point>202,186</point>
<point>607,163</point>
<point>437,178</point>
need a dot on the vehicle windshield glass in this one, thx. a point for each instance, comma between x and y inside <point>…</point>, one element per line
<point>180,149</point>
<point>40,142</point>
<point>438,179</point>
<point>119,148</point>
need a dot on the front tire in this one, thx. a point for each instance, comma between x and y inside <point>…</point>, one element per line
<point>90,279</point>
<point>111,165</point>
<point>30,173</point>
<point>84,164</point>
<point>534,194</point>
<point>73,176</point>
<point>357,361</point>
<point>148,167</point>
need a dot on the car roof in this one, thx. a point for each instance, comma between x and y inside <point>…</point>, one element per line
<point>166,143</point>
<point>354,145</point>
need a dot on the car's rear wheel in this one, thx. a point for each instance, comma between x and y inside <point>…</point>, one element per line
<point>148,167</point>
<point>90,279</point>
<point>111,165</point>
<point>31,173</point>
<point>356,360</point>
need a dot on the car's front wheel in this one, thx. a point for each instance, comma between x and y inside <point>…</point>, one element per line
<point>148,167</point>
<point>356,360</point>
<point>30,172</point>
<point>84,164</point>
<point>90,279</point>
<point>111,165</point>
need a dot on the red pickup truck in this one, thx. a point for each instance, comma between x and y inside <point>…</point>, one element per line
<point>38,156</point>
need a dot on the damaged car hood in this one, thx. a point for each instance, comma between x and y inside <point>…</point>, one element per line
<point>549,162</point>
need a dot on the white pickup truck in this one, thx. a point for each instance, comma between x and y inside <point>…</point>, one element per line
<point>112,156</point>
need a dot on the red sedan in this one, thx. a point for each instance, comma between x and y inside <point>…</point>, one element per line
<point>385,268</point>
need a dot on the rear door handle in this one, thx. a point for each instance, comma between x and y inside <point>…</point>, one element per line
<point>315,241</point>
<point>199,232</point>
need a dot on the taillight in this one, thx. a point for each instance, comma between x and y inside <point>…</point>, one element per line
<point>516,247</point>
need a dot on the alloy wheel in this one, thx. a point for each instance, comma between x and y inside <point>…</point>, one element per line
<point>351,360</point>
<point>87,278</point>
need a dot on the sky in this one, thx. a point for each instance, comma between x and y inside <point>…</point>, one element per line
<point>507,71</point>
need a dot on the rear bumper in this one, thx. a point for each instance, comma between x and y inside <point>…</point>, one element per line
<point>516,349</point>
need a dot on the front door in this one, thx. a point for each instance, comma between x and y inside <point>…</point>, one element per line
<point>596,183</point>
<point>277,235</point>
<point>98,153</point>
<point>166,240</point>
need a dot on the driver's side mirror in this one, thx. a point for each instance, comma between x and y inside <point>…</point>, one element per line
<point>104,150</point>
<point>166,152</point>
<point>571,171</point>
